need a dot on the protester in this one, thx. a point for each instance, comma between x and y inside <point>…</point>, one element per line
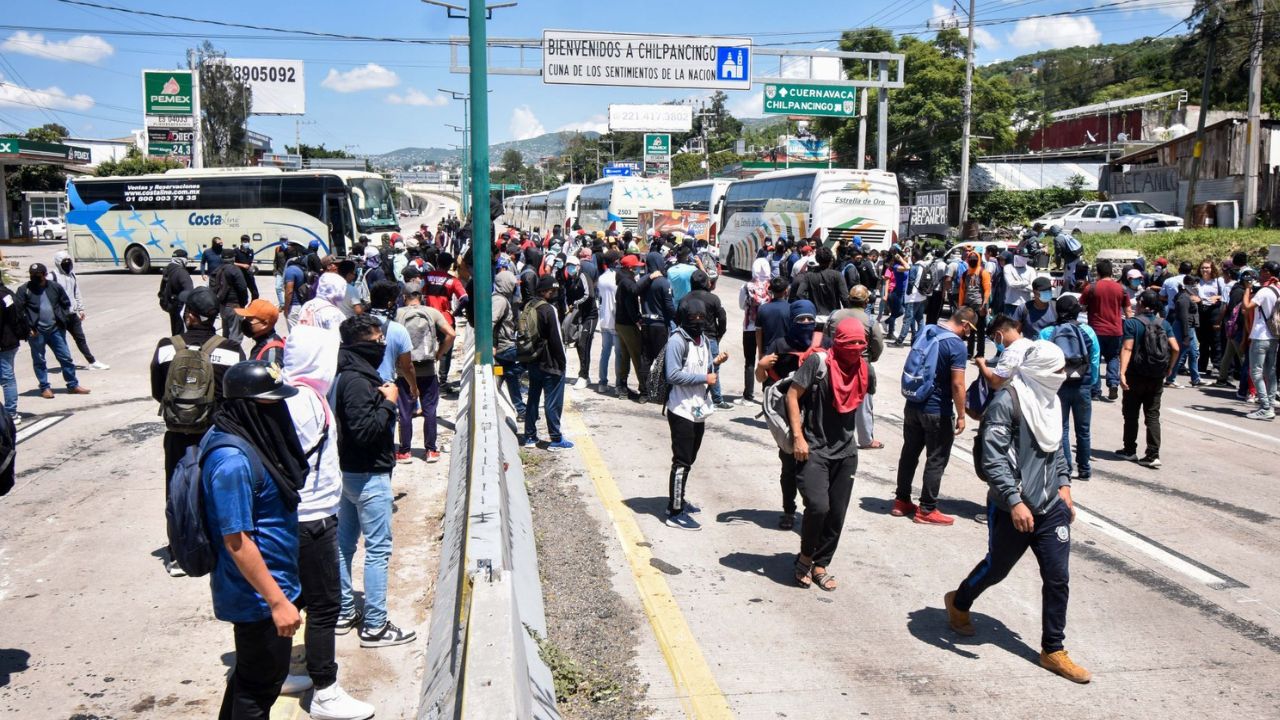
<point>657,308</point>
<point>690,371</point>
<point>821,285</point>
<point>1081,351</point>
<point>546,367</point>
<point>773,319</point>
<point>425,326</point>
<point>505,312</point>
<point>299,287</point>
<point>627,324</point>
<point>975,293</point>
<point>1106,304</point>
<point>48,313</point>
<point>325,309</point>
<point>1039,313</point>
<point>446,294</point>
<point>717,324</point>
<point>751,297</point>
<point>231,290</point>
<point>1212,291</point>
<point>252,468</point>
<point>859,296</point>
<point>174,280</point>
<point>579,292</point>
<point>211,259</point>
<point>279,260</point>
<point>1010,347</point>
<point>13,329</point>
<point>1184,316</point>
<point>1261,302</point>
<point>920,284</point>
<point>1018,276</point>
<point>364,409</point>
<point>63,273</point>
<point>258,322</point>
<point>1145,362</point>
<point>607,292</point>
<point>1028,504</point>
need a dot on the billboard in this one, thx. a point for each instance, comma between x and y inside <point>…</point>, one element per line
<point>167,92</point>
<point>807,150</point>
<point>643,118</point>
<point>690,222</point>
<point>277,85</point>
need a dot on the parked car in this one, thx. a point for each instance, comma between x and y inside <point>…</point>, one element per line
<point>48,228</point>
<point>1054,216</point>
<point>1121,216</point>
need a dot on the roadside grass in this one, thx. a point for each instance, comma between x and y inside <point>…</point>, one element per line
<point>1190,245</point>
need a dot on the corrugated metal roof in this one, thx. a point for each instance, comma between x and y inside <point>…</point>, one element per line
<point>1102,107</point>
<point>988,176</point>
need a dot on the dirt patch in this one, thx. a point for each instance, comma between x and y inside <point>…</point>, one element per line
<point>591,633</point>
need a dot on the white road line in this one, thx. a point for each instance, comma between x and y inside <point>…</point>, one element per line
<point>28,430</point>
<point>1156,553</point>
<point>1200,418</point>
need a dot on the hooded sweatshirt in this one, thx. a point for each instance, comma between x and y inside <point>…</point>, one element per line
<point>364,417</point>
<point>310,363</point>
<point>505,312</point>
<point>67,279</point>
<point>656,304</point>
<point>325,309</point>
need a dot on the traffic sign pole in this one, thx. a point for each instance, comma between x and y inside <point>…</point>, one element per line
<point>482,232</point>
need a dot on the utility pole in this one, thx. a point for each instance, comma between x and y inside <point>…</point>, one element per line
<point>882,135</point>
<point>1188,212</point>
<point>967,121</point>
<point>1252,145</point>
<point>862,126</point>
<point>706,127</point>
<point>465,154</point>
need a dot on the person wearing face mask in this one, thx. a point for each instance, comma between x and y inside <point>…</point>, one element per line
<point>546,370</point>
<point>48,311</point>
<point>627,324</point>
<point>244,260</point>
<point>1029,503</point>
<point>1106,303</point>
<point>258,322</point>
<point>1018,277</point>
<point>658,310</point>
<point>211,259</point>
<point>325,309</point>
<point>1038,314</point>
<point>64,275</point>
<point>975,293</point>
<point>690,370</point>
<point>1011,346</point>
<point>581,302</point>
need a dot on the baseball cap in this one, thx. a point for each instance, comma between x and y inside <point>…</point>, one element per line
<point>38,268</point>
<point>180,253</point>
<point>1162,262</point>
<point>261,310</point>
<point>630,262</point>
<point>199,301</point>
<point>806,248</point>
<point>1134,274</point>
<point>1041,283</point>
<point>547,282</point>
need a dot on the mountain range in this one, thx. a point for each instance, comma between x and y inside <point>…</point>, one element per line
<point>531,148</point>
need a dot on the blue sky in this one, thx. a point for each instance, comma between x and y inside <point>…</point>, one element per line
<point>376,97</point>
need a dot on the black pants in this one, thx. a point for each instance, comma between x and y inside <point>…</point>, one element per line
<point>787,480</point>
<point>749,364</point>
<point>1210,339</point>
<point>686,439</point>
<point>75,328</point>
<point>321,593</point>
<point>978,338</point>
<point>584,343</point>
<point>1143,394</point>
<point>262,663</point>
<point>931,433</point>
<point>1051,543</point>
<point>445,365</point>
<point>176,324</point>
<point>826,486</point>
<point>653,341</point>
<point>933,308</point>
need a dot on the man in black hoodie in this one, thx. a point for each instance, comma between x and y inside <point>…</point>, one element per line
<point>365,409</point>
<point>229,286</point>
<point>627,325</point>
<point>546,370</point>
<point>529,276</point>
<point>657,309</point>
<point>821,285</point>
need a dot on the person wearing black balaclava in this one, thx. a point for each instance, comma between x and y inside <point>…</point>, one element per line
<point>244,261</point>
<point>48,310</point>
<point>63,273</point>
<point>252,468</point>
<point>528,278</point>
<point>211,259</point>
<point>657,308</point>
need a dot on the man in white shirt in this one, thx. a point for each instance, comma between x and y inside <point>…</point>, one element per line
<point>1018,277</point>
<point>913,310</point>
<point>606,299</point>
<point>1262,341</point>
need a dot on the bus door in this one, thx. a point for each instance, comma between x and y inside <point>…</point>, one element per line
<point>338,218</point>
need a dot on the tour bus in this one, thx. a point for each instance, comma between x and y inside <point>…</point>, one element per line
<point>615,203</point>
<point>562,207</point>
<point>509,205</point>
<point>703,196</point>
<point>139,221</point>
<point>535,213</point>
<point>823,205</point>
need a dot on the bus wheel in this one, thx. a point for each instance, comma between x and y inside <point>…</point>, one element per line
<point>137,260</point>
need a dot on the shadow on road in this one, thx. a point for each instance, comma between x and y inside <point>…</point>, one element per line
<point>929,625</point>
<point>750,421</point>
<point>12,661</point>
<point>966,509</point>
<point>655,506</point>
<point>767,519</point>
<point>777,567</point>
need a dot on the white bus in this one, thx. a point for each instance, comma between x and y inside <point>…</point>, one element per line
<point>535,214</point>
<point>616,203</point>
<point>825,205</point>
<point>562,207</point>
<point>139,221</point>
<point>510,205</point>
<point>703,196</point>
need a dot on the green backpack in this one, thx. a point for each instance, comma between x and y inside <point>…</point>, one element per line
<point>529,342</point>
<point>189,398</point>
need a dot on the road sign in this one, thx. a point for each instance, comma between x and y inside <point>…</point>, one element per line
<point>506,187</point>
<point>613,170</point>
<point>571,57</point>
<point>21,148</point>
<point>639,118</point>
<point>657,146</point>
<point>806,99</point>
<point>276,86</point>
<point>167,92</point>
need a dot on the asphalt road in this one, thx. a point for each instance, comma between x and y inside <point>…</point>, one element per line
<point>1175,596</point>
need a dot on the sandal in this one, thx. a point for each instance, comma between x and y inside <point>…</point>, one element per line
<point>787,521</point>
<point>802,572</point>
<point>824,580</point>
<point>873,445</point>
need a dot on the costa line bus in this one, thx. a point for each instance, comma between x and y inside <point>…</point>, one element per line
<point>826,205</point>
<point>535,213</point>
<point>509,206</point>
<point>616,203</point>
<point>562,207</point>
<point>703,196</point>
<point>139,221</point>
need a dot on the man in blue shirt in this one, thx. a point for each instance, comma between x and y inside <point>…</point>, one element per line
<point>211,259</point>
<point>252,468</point>
<point>773,318</point>
<point>932,425</point>
<point>680,274</point>
<point>1076,393</point>
<point>1143,385</point>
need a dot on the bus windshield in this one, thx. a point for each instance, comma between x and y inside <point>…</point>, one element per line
<point>375,208</point>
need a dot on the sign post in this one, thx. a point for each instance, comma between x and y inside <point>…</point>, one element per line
<point>657,154</point>
<point>170,99</point>
<point>807,99</point>
<point>572,57</point>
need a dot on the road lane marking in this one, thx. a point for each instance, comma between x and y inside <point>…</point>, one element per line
<point>696,687</point>
<point>1166,556</point>
<point>30,430</point>
<point>1200,418</point>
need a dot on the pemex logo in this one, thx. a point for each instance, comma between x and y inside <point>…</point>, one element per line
<point>171,94</point>
<point>171,87</point>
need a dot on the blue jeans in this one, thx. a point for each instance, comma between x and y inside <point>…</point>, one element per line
<point>550,389</point>
<point>1077,400</point>
<point>280,290</point>
<point>1262,369</point>
<point>608,341</point>
<point>717,395</point>
<point>1187,350</point>
<point>365,509</point>
<point>912,321</point>
<point>1109,351</point>
<point>56,339</point>
<point>9,381</point>
<point>511,372</point>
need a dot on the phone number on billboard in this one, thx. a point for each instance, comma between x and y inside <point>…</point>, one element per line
<point>264,73</point>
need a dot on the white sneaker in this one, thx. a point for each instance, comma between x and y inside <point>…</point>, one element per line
<point>174,569</point>
<point>333,703</point>
<point>17,420</point>
<point>99,365</point>
<point>580,384</point>
<point>295,684</point>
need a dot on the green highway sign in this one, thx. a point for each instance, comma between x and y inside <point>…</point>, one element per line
<point>167,92</point>
<point>805,99</point>
<point>504,187</point>
<point>657,145</point>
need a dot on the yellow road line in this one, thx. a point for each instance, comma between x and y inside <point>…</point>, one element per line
<point>696,687</point>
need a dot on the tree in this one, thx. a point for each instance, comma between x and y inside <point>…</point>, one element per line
<point>224,108</point>
<point>512,161</point>
<point>310,152</point>
<point>30,178</point>
<point>135,163</point>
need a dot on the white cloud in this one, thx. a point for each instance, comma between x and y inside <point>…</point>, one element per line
<point>747,105</point>
<point>1176,10</point>
<point>366,77</point>
<point>1054,32</point>
<point>981,37</point>
<point>595,123</point>
<point>82,48</point>
<point>524,124</point>
<point>414,96</point>
<point>52,97</point>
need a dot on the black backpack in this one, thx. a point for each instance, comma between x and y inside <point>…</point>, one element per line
<point>218,284</point>
<point>927,279</point>
<point>310,278</point>
<point>190,541</point>
<point>1151,353</point>
<point>164,296</point>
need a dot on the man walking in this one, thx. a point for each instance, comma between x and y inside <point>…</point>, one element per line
<point>1262,338</point>
<point>546,365</point>
<point>13,329</point>
<point>1080,348</point>
<point>425,326</point>
<point>690,370</point>
<point>975,293</point>
<point>64,275</point>
<point>859,297</point>
<point>174,281</point>
<point>1107,304</point>
<point>821,285</point>
<point>1028,504</point>
<point>48,312</point>
<point>920,286</point>
<point>1147,356</point>
<point>231,290</point>
<point>627,318</point>
<point>505,311</point>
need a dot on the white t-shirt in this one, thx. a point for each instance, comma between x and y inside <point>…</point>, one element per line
<point>1017,282</point>
<point>1266,302</point>
<point>690,401</point>
<point>1011,358</point>
<point>606,292</point>
<point>322,491</point>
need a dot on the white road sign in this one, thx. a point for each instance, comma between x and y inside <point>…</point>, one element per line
<point>277,85</point>
<point>171,121</point>
<point>643,118</point>
<point>571,57</point>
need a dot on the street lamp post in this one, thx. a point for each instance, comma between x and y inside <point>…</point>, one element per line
<point>466,155</point>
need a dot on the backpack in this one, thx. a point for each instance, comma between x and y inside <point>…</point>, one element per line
<point>188,402</point>
<point>164,296</point>
<point>776,416</point>
<point>190,541</point>
<point>1233,322</point>
<point>529,342</point>
<point>1069,246</point>
<point>977,397</point>
<point>920,373</point>
<point>1151,353</point>
<point>425,343</point>
<point>1074,345</point>
<point>1273,320</point>
<point>571,328</point>
<point>978,454</point>
<point>926,279</point>
<point>218,282</point>
<point>657,387</point>
<point>307,290</point>
<point>276,344</point>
